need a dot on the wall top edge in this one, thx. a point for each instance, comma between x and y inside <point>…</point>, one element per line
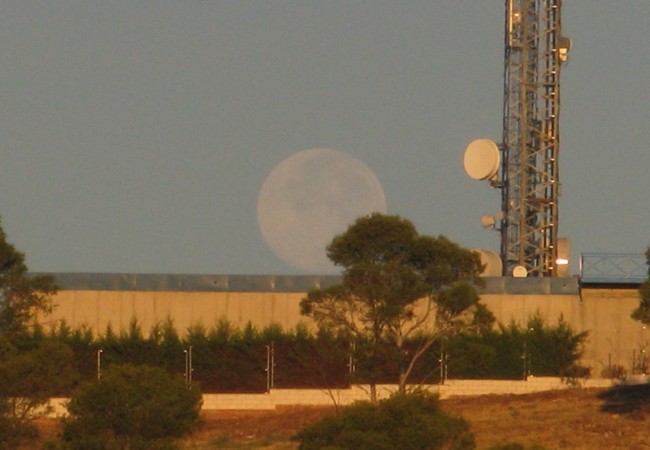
<point>79,281</point>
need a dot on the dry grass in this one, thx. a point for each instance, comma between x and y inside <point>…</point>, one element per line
<point>573,419</point>
<point>576,419</point>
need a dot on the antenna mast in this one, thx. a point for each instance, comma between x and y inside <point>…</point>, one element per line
<point>525,165</point>
<point>534,53</point>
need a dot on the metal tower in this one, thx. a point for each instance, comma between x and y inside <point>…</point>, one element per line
<point>534,53</point>
<point>525,165</point>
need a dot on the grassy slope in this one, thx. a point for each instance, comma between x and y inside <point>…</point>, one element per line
<point>577,419</point>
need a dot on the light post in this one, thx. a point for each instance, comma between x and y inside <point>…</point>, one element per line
<point>444,356</point>
<point>270,364</point>
<point>99,364</point>
<point>351,362</point>
<point>188,366</point>
<point>526,356</point>
<point>643,362</point>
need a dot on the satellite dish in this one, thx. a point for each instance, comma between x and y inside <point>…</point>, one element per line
<point>519,272</point>
<point>493,267</point>
<point>488,221</point>
<point>482,159</point>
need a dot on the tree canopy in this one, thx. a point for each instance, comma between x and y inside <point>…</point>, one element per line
<point>397,284</point>
<point>642,312</point>
<point>132,407</point>
<point>27,376</point>
<point>21,296</point>
<point>28,379</point>
<point>403,422</point>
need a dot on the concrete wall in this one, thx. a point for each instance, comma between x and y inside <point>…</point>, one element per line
<point>451,388</point>
<point>98,309</point>
<point>292,397</point>
<point>604,312</point>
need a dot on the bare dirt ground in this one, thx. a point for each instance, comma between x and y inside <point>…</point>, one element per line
<point>575,419</point>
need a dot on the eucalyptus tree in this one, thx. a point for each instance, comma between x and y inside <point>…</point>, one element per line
<point>642,312</point>
<point>398,286</point>
<point>22,296</point>
<point>28,376</point>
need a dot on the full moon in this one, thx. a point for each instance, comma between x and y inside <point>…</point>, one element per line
<point>311,197</point>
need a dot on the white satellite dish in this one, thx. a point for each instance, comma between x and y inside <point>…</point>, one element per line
<point>488,221</point>
<point>482,159</point>
<point>519,272</point>
<point>493,267</point>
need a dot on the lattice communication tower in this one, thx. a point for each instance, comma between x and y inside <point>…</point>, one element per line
<point>528,172</point>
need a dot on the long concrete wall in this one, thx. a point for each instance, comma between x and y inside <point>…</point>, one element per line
<point>293,397</point>
<point>98,309</point>
<point>614,338</point>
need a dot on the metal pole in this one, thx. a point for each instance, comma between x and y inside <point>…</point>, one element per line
<point>190,367</point>
<point>524,357</point>
<point>185,375</point>
<point>351,362</point>
<point>442,362</point>
<point>268,368</point>
<point>272,365</point>
<point>99,364</point>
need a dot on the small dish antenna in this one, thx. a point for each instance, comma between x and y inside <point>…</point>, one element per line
<point>488,221</point>
<point>519,272</point>
<point>482,159</point>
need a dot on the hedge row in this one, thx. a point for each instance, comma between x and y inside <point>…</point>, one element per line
<point>227,359</point>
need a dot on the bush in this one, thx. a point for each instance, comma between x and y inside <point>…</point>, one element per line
<point>132,407</point>
<point>27,381</point>
<point>403,422</point>
<point>614,372</point>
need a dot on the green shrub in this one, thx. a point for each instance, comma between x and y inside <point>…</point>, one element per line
<point>27,381</point>
<point>132,407</point>
<point>403,422</point>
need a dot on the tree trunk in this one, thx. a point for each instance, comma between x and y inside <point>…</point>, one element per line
<point>373,392</point>
<point>401,381</point>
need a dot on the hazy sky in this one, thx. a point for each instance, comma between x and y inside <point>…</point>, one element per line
<point>135,135</point>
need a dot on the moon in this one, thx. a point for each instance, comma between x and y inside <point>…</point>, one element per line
<point>311,197</point>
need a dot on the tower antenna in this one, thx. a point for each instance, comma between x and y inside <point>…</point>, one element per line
<point>528,178</point>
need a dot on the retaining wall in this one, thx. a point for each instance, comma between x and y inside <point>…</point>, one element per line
<point>313,397</point>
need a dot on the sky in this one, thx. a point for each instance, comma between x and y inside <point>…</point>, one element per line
<point>135,136</point>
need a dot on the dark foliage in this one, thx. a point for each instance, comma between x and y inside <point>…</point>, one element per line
<point>28,379</point>
<point>642,312</point>
<point>225,359</point>
<point>512,351</point>
<point>21,296</point>
<point>132,407</point>
<point>403,422</point>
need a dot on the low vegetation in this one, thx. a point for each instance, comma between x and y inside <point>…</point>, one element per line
<point>571,419</point>
<point>131,407</point>
<point>403,422</point>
